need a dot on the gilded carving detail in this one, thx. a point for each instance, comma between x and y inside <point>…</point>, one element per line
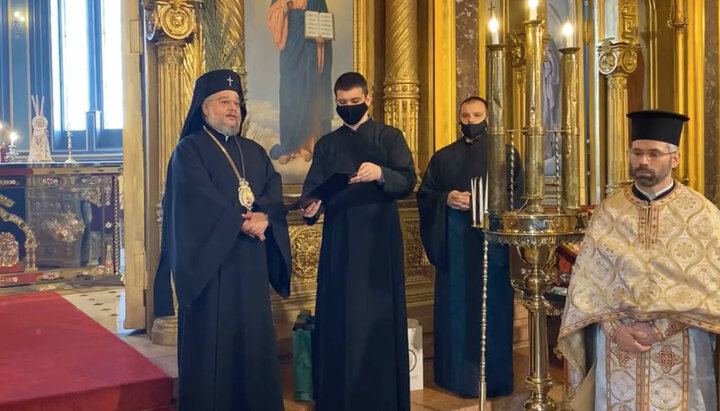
<point>517,50</point>
<point>614,57</point>
<point>174,18</point>
<point>66,227</point>
<point>629,20</point>
<point>170,51</point>
<point>9,250</point>
<point>30,242</point>
<point>305,248</point>
<point>416,262</point>
<point>678,16</point>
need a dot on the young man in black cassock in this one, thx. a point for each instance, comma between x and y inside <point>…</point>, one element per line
<point>456,251</point>
<point>361,343</point>
<point>224,236</point>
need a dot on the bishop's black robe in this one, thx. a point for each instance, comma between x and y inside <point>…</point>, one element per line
<point>456,251</point>
<point>361,343</point>
<point>226,345</point>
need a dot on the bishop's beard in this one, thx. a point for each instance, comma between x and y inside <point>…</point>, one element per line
<point>225,129</point>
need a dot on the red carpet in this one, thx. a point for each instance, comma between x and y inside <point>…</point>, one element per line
<point>54,357</point>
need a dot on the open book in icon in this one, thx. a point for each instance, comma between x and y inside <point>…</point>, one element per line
<point>319,24</point>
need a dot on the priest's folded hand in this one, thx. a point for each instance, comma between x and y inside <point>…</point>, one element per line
<point>628,339</point>
<point>255,225</point>
<point>650,337</point>
<point>459,200</point>
<point>366,173</point>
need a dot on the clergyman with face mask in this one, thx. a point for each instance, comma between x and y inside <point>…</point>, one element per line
<point>643,306</point>
<point>224,237</point>
<point>361,325</point>
<point>455,249</point>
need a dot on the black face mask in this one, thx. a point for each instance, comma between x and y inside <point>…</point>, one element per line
<point>473,131</point>
<point>351,115</point>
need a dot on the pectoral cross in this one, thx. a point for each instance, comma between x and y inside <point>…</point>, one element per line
<point>230,81</point>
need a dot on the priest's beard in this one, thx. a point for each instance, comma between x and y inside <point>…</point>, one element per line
<point>224,128</point>
<point>647,177</point>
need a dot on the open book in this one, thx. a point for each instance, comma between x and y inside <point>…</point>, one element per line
<point>319,24</point>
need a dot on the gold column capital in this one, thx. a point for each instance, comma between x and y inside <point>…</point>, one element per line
<point>615,58</point>
<point>173,18</point>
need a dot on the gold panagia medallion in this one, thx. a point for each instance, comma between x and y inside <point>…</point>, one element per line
<point>245,194</point>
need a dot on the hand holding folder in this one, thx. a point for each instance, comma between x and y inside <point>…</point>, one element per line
<point>324,191</point>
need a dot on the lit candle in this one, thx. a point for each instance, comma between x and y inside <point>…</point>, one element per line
<point>532,4</point>
<point>13,137</point>
<point>567,31</point>
<point>493,25</point>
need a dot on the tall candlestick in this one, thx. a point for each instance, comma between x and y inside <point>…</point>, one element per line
<point>69,159</point>
<point>533,4</point>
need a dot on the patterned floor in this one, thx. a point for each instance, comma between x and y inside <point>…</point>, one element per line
<point>108,305</point>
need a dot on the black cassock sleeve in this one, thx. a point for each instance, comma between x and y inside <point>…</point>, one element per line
<point>315,176</point>
<point>399,172</point>
<point>277,239</point>
<point>432,205</point>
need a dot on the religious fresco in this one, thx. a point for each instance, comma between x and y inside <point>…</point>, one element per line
<point>290,80</point>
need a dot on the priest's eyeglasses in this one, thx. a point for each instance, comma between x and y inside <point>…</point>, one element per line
<point>651,155</point>
<point>227,102</point>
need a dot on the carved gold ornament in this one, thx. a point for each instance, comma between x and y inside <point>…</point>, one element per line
<point>66,227</point>
<point>9,250</point>
<point>614,57</point>
<point>305,247</point>
<point>174,18</point>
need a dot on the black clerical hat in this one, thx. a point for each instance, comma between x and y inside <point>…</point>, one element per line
<point>657,125</point>
<point>205,86</point>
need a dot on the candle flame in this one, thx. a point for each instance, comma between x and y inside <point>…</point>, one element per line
<point>493,25</point>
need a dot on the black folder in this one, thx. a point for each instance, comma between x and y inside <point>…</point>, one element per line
<point>324,191</point>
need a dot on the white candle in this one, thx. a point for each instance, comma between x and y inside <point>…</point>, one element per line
<point>567,31</point>
<point>482,203</point>
<point>13,137</point>
<point>532,4</point>
<point>473,200</point>
<point>487,184</point>
<point>493,25</point>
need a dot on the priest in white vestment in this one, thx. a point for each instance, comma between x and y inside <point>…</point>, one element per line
<point>643,306</point>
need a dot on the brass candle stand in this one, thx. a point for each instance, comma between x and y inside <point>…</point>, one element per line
<point>532,230</point>
<point>70,159</point>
